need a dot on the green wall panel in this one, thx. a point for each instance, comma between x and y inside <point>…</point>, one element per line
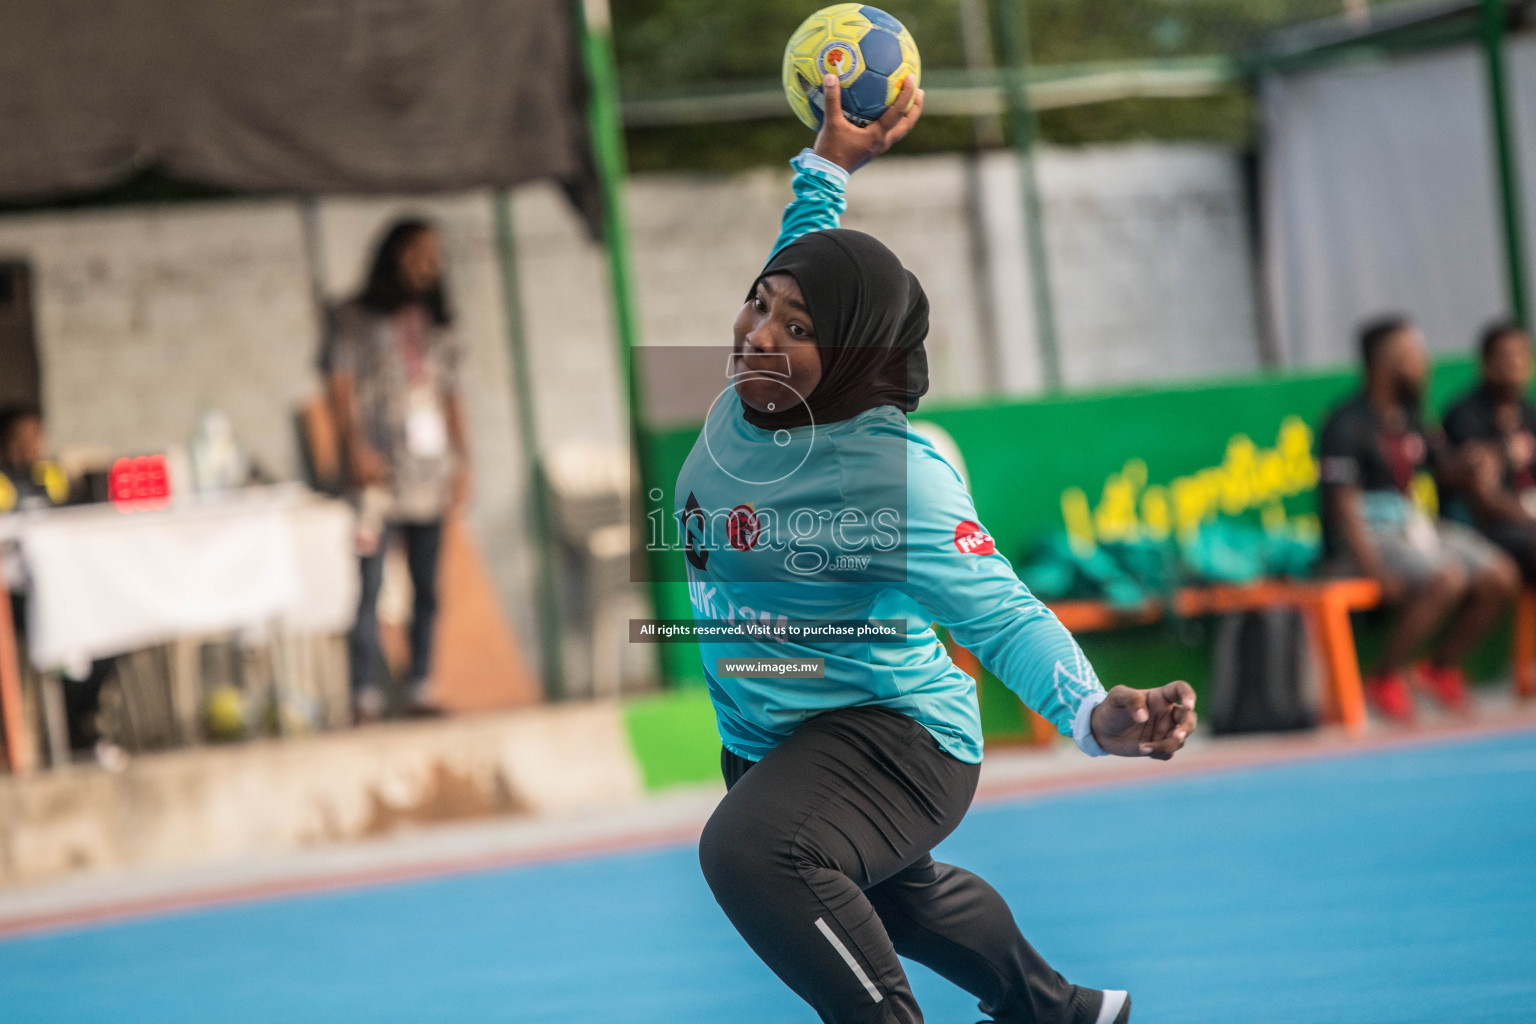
<point>674,738</point>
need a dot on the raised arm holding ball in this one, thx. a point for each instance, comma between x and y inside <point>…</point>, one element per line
<point>840,785</point>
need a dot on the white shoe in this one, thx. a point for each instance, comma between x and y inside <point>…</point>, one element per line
<point>368,705</point>
<point>421,700</point>
<point>111,756</point>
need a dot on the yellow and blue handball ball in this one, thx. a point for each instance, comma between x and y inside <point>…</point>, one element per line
<point>870,52</point>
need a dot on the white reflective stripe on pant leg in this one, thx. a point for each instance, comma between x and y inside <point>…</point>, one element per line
<point>1114,999</point>
<point>853,965</point>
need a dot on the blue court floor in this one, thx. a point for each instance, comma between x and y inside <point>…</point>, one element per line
<point>1396,886</point>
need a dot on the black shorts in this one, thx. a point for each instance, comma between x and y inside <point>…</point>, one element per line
<point>1519,542</point>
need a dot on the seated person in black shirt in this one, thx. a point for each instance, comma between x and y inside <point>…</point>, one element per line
<point>1378,500</point>
<point>1494,428</point>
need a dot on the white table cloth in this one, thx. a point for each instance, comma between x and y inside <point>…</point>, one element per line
<point>106,580</point>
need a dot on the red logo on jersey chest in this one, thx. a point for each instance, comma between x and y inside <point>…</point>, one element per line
<point>742,528</point>
<point>971,539</point>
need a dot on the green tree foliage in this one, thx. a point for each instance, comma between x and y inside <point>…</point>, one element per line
<point>1072,31</point>
<point>670,46</point>
<point>666,45</point>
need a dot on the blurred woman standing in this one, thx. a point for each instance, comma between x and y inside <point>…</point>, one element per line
<point>392,365</point>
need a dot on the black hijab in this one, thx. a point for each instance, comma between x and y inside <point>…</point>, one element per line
<point>870,316</point>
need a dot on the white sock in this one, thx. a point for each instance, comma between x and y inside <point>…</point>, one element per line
<point>1114,1001</point>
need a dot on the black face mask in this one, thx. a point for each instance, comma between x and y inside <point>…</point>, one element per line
<point>870,316</point>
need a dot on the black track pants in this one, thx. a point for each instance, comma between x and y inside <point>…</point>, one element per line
<point>819,856</point>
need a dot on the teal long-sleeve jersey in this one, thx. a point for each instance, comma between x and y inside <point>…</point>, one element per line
<point>853,521</point>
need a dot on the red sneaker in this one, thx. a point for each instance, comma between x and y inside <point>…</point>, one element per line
<point>1446,684</point>
<point>1389,695</point>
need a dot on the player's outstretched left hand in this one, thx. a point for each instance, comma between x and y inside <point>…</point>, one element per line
<point>851,147</point>
<point>1145,723</point>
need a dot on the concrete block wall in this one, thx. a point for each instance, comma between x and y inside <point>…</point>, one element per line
<point>146,316</point>
<point>1151,263</point>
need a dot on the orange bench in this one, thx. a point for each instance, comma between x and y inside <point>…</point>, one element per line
<point>1325,603</point>
<point>16,749</point>
<point>1524,645</point>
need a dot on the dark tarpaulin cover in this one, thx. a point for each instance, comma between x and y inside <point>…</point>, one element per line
<point>290,95</point>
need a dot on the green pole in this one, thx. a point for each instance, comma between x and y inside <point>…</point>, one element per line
<point>553,655</point>
<point>987,134</point>
<point>1504,152</point>
<point>1014,21</point>
<point>607,134</point>
<point>606,126</point>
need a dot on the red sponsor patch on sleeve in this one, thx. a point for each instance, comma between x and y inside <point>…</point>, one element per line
<point>971,539</point>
